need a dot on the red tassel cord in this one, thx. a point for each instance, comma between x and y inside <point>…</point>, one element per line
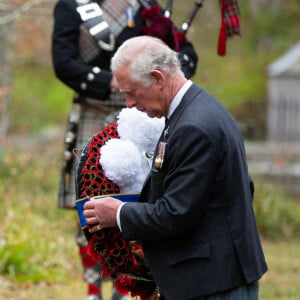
<point>222,34</point>
<point>230,23</point>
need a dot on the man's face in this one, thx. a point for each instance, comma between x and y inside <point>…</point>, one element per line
<point>148,100</point>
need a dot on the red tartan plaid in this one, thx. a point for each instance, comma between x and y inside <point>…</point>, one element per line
<point>232,17</point>
<point>230,24</point>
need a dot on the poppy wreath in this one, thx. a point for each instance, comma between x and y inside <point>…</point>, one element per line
<point>123,261</point>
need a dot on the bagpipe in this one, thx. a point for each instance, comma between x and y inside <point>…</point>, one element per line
<point>161,26</point>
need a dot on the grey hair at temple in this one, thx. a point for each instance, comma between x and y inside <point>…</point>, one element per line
<point>143,54</point>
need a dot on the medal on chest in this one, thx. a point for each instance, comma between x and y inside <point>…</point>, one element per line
<point>130,17</point>
<point>160,155</point>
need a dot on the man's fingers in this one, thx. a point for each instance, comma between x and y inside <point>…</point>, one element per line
<point>89,205</point>
<point>89,213</point>
<point>91,220</point>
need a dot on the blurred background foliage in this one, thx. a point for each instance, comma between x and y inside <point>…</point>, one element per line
<point>36,241</point>
<point>238,79</point>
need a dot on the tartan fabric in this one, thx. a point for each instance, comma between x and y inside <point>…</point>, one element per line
<point>232,17</point>
<point>230,23</point>
<point>94,117</point>
<point>114,13</point>
<point>245,292</point>
<point>98,114</point>
<point>88,47</point>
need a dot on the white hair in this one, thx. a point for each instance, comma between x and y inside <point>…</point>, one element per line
<point>143,54</point>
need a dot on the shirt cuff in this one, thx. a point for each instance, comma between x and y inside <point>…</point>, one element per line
<point>118,216</point>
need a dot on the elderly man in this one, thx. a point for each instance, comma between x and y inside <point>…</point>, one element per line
<point>194,217</point>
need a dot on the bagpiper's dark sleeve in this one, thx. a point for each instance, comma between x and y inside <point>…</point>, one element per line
<point>85,78</point>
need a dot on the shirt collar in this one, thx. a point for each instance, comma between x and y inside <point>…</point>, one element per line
<point>178,97</point>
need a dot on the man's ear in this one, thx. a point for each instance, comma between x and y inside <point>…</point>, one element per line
<point>158,77</point>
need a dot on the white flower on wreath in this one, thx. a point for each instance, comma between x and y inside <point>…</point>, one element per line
<point>127,161</point>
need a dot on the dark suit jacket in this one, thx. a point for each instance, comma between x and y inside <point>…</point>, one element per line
<point>196,222</point>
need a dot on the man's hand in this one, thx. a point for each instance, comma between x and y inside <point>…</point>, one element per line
<point>101,212</point>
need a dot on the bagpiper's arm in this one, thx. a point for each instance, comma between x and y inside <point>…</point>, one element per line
<point>87,78</point>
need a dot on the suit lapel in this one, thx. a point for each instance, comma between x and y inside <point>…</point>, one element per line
<point>188,97</point>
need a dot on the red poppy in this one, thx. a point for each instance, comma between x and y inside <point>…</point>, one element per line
<point>88,261</point>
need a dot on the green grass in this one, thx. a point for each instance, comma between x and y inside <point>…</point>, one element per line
<point>35,241</point>
<point>277,214</point>
<point>281,282</point>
